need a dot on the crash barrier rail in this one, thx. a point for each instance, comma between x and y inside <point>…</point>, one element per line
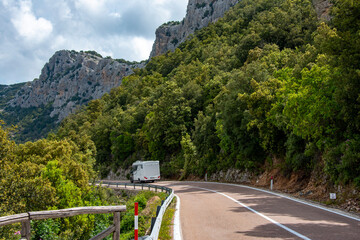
<point>25,218</point>
<point>155,222</point>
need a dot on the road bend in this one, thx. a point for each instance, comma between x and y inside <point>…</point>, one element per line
<point>227,211</point>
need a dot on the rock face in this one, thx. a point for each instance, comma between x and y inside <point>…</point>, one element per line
<point>198,15</point>
<point>322,8</point>
<point>71,79</point>
<point>232,175</point>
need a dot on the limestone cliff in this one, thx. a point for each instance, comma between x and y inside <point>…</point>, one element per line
<point>71,79</point>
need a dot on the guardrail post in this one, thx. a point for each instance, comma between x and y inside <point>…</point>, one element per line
<point>158,210</point>
<point>153,220</point>
<point>25,230</point>
<point>116,234</point>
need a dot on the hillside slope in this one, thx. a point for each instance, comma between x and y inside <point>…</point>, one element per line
<point>199,14</point>
<point>69,80</point>
<point>267,86</point>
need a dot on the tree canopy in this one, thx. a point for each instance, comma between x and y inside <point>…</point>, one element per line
<point>267,80</point>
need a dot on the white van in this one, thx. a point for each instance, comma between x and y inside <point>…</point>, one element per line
<point>145,171</point>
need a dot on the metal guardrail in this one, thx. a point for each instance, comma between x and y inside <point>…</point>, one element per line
<point>156,223</point>
<point>136,186</point>
<point>25,218</point>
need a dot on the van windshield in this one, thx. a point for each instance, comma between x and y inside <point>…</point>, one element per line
<point>134,168</point>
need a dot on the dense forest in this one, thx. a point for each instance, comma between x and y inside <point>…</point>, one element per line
<point>54,174</point>
<point>268,81</point>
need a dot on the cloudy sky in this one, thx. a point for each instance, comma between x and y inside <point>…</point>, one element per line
<point>32,30</point>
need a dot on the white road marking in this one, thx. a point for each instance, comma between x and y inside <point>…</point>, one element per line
<point>256,212</point>
<point>177,225</point>
<point>290,198</point>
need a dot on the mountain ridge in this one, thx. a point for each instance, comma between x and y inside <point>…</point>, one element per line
<point>71,79</point>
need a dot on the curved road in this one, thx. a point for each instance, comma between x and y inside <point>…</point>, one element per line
<point>227,211</point>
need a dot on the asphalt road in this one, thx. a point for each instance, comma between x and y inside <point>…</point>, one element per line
<point>223,211</point>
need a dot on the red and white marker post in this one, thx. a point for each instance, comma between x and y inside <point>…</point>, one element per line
<point>136,233</point>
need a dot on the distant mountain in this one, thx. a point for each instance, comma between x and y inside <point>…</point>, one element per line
<point>70,79</point>
<point>7,92</point>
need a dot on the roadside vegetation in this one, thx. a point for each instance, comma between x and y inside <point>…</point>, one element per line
<point>268,81</point>
<point>55,174</point>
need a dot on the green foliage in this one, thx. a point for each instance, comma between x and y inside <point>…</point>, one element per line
<point>147,209</point>
<point>267,80</point>
<point>342,161</point>
<point>94,53</point>
<point>190,155</point>
<point>47,175</point>
<point>32,123</point>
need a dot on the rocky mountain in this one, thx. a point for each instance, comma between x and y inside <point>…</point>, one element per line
<point>198,15</point>
<point>71,79</point>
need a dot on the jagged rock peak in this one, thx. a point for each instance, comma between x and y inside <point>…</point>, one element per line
<point>71,79</point>
<point>198,15</point>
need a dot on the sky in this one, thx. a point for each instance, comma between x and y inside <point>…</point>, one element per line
<point>31,31</point>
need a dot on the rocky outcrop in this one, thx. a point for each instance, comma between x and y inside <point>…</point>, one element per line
<point>198,15</point>
<point>231,175</point>
<point>322,8</point>
<point>71,79</point>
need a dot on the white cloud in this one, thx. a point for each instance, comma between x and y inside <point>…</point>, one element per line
<point>91,6</point>
<point>32,30</point>
<point>64,9</point>
<point>115,15</point>
<point>142,47</point>
<point>29,27</point>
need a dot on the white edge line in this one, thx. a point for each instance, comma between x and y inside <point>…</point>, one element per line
<point>260,214</point>
<point>177,225</point>
<point>290,198</point>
